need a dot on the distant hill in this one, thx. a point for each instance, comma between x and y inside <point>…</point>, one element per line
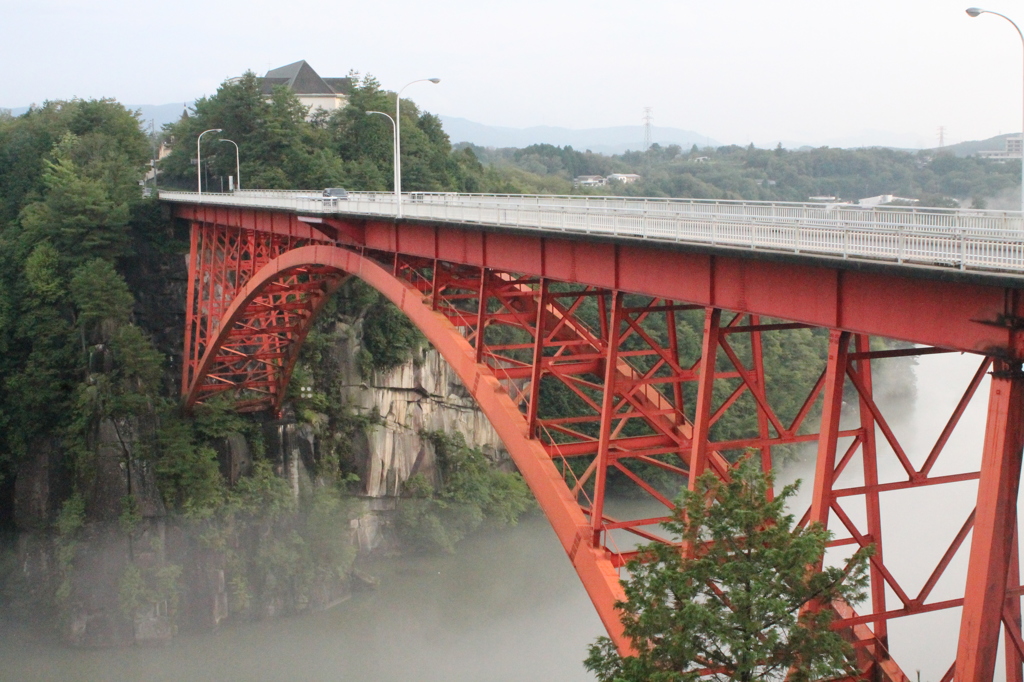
<point>613,140</point>
<point>996,143</point>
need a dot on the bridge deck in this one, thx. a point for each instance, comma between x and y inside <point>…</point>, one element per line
<point>956,239</point>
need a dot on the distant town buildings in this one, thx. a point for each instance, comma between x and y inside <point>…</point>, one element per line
<point>602,181</point>
<point>1012,150</point>
<point>313,91</point>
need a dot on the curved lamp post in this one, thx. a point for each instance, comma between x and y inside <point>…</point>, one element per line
<point>238,172</point>
<point>394,165</point>
<point>398,139</point>
<point>975,12</point>
<point>199,158</point>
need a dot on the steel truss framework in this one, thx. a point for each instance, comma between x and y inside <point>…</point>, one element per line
<point>639,408</point>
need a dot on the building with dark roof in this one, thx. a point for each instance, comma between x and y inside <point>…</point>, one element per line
<point>312,90</point>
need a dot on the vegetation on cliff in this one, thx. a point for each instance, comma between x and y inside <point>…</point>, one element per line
<point>70,209</point>
<point>469,491</point>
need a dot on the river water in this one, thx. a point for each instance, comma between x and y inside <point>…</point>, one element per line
<point>508,605</point>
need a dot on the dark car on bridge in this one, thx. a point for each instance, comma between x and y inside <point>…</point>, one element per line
<point>336,193</point>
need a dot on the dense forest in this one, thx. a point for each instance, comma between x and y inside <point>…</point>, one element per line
<point>731,172</point>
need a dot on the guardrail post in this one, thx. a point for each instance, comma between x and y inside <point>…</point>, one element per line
<point>899,244</point>
<point>714,226</point>
<point>963,251</point>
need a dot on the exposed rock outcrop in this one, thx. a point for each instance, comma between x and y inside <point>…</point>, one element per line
<point>424,394</point>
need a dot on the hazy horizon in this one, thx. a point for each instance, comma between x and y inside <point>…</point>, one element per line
<point>603,140</point>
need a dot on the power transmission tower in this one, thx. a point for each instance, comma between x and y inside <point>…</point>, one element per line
<point>942,136</point>
<point>648,114</point>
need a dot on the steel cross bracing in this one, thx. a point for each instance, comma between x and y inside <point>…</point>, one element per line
<point>239,342</point>
<point>596,395</point>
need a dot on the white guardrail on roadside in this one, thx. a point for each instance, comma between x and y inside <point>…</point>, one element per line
<point>958,238</point>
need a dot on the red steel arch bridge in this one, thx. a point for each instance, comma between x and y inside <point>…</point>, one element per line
<point>498,284</point>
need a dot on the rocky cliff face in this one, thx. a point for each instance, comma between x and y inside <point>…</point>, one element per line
<point>423,394</point>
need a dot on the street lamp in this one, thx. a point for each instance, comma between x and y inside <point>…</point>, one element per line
<point>199,158</point>
<point>976,12</point>
<point>238,172</point>
<point>394,165</point>
<point>398,139</point>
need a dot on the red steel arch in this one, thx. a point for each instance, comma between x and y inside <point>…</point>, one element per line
<point>510,331</point>
<point>570,524</point>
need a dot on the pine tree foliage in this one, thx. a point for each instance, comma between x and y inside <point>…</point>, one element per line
<point>743,603</point>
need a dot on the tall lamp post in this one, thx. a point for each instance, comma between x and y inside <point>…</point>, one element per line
<point>199,158</point>
<point>975,12</point>
<point>394,165</point>
<point>238,171</point>
<point>398,139</point>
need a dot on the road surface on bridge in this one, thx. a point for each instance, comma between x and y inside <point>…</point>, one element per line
<point>960,239</point>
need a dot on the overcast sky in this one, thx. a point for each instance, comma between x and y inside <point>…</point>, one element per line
<point>734,70</point>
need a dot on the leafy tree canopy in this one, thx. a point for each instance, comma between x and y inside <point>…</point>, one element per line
<point>283,146</point>
<point>741,603</point>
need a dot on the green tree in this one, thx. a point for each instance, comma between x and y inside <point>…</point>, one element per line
<point>80,214</point>
<point>469,491</point>
<point>741,604</point>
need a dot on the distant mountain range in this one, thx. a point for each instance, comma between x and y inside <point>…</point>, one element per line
<point>615,140</point>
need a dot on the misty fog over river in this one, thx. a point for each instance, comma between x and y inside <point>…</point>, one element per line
<point>508,606</point>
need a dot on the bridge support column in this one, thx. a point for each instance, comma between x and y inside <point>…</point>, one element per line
<point>872,505</point>
<point>537,371</point>
<point>1013,645</point>
<point>608,409</point>
<point>835,379</point>
<point>757,355</point>
<point>705,392</point>
<point>992,549</point>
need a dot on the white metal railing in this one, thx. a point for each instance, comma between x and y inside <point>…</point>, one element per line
<point>958,238</point>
